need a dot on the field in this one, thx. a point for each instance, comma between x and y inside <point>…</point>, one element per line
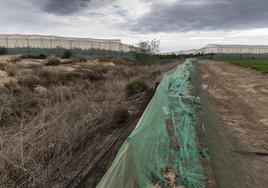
<point>58,115</point>
<point>257,64</point>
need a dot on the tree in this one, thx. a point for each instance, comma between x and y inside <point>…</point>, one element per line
<point>149,47</point>
<point>146,51</point>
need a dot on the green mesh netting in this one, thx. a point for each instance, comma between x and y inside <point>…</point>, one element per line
<point>163,140</point>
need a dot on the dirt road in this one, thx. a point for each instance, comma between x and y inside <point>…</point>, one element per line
<point>238,138</point>
<point>240,96</point>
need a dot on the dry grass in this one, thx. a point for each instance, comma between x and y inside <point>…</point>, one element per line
<point>53,61</point>
<point>41,133</point>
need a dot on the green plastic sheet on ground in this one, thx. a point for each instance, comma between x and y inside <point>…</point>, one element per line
<point>149,152</point>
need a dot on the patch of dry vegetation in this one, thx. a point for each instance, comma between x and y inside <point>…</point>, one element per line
<point>11,70</point>
<point>81,59</point>
<point>14,59</point>
<point>53,61</point>
<point>49,117</point>
<point>135,86</point>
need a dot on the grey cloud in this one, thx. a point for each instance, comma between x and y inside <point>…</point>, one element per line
<point>64,7</point>
<point>197,15</point>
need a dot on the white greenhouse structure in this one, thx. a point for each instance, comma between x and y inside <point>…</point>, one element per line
<point>38,41</point>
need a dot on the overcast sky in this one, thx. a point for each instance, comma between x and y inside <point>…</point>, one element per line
<point>179,24</point>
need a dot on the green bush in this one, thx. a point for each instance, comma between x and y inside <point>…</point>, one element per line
<point>3,50</point>
<point>136,86</point>
<point>53,61</point>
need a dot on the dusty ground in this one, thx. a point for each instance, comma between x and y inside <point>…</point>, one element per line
<point>240,96</point>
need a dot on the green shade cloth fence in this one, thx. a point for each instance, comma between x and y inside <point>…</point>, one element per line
<point>147,153</point>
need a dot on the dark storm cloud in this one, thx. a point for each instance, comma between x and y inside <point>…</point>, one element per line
<point>197,15</point>
<point>64,7</point>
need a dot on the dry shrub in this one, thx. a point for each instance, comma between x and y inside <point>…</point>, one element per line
<point>59,77</point>
<point>3,66</point>
<point>115,60</point>
<point>12,86</point>
<point>29,80</point>
<point>81,59</point>
<point>120,115</point>
<point>14,59</point>
<point>48,141</point>
<point>53,61</point>
<point>99,68</point>
<point>11,70</point>
<point>135,86</point>
<point>56,77</point>
<point>17,104</point>
<point>91,75</point>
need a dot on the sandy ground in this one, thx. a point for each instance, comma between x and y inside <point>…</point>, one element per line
<point>240,97</point>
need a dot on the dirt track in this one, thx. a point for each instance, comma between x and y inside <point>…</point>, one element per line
<point>240,96</point>
<point>238,136</point>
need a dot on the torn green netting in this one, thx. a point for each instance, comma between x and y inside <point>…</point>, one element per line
<point>152,149</point>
